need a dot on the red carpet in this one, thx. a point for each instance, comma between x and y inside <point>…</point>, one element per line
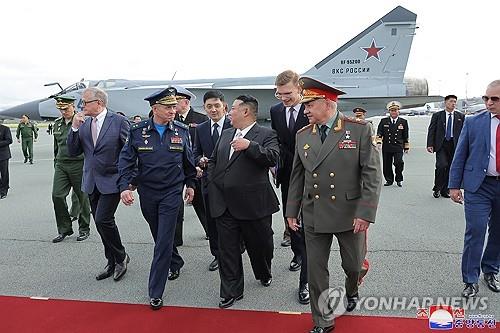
<point>21,314</point>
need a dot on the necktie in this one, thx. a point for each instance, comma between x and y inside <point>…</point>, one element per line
<point>181,118</point>
<point>93,128</point>
<point>394,121</point>
<point>291,120</point>
<point>498,146</point>
<point>237,136</point>
<point>215,133</point>
<point>322,130</point>
<point>448,127</point>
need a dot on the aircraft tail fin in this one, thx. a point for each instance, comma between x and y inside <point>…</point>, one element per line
<point>374,61</point>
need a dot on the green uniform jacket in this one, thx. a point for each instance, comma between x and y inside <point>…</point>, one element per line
<point>27,130</point>
<point>338,180</point>
<point>61,130</point>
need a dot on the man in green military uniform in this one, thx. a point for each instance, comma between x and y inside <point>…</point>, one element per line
<point>68,174</point>
<point>335,182</point>
<point>26,131</point>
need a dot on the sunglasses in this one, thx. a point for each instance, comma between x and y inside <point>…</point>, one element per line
<point>492,98</point>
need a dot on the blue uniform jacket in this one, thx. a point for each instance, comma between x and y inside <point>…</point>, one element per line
<point>155,163</point>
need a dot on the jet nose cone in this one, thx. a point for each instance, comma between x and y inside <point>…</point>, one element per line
<point>31,109</point>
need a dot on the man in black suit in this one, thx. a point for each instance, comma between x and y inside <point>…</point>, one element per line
<point>242,199</point>
<point>393,132</point>
<point>185,114</point>
<point>442,138</point>
<point>100,138</point>
<point>5,142</point>
<point>207,135</point>
<point>287,117</point>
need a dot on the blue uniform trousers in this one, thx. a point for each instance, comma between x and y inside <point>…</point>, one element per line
<point>482,212</point>
<point>160,211</point>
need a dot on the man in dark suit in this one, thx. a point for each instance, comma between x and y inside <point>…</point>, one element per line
<point>442,138</point>
<point>100,138</point>
<point>207,135</point>
<point>186,115</point>
<point>392,132</point>
<point>476,168</point>
<point>287,117</point>
<point>242,199</point>
<point>5,142</point>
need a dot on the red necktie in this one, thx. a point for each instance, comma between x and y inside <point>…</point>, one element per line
<point>498,146</point>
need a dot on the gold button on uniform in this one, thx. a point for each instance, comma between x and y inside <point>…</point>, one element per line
<point>332,174</point>
<point>332,186</point>
<point>315,185</point>
<point>316,196</point>
<point>315,175</point>
<point>333,197</point>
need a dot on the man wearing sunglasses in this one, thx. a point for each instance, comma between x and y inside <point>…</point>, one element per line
<point>476,165</point>
<point>442,137</point>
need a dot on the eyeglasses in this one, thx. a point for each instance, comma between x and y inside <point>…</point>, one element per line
<point>88,102</point>
<point>494,99</point>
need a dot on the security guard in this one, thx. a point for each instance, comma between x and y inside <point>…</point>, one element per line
<point>392,132</point>
<point>68,173</point>
<point>27,130</point>
<point>160,148</point>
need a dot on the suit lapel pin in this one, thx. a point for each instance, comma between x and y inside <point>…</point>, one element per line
<point>306,146</point>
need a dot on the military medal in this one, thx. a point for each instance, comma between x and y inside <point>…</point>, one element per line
<point>176,139</point>
<point>347,135</point>
<point>306,146</point>
<point>146,141</point>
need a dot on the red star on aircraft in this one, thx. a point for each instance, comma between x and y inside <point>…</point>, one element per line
<point>373,50</point>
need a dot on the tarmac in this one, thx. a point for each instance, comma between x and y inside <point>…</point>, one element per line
<point>414,248</point>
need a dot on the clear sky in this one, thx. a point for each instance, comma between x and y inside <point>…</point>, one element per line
<point>456,48</point>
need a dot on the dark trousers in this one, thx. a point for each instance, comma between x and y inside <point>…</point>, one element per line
<point>482,213</point>
<point>258,238</point>
<point>352,253</point>
<point>297,238</point>
<point>103,208</point>
<point>199,208</point>
<point>444,156</point>
<point>160,212</point>
<point>177,262</point>
<point>388,159</point>
<point>4,176</point>
<point>213,236</point>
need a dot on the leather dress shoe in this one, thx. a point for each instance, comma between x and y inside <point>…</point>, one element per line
<point>470,290</point>
<point>445,195</point>
<point>286,242</point>
<point>318,329</point>
<point>492,282</point>
<point>266,282</point>
<point>82,236</point>
<point>25,159</point>
<point>399,184</point>
<point>3,195</point>
<point>214,265</point>
<point>388,184</point>
<point>304,294</point>
<point>436,194</point>
<point>121,268</point>
<point>173,275</point>
<point>351,303</point>
<point>156,303</point>
<point>228,302</point>
<point>106,273</point>
<point>61,237</point>
<point>295,264</point>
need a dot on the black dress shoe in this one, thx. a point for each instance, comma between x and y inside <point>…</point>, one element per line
<point>228,302</point>
<point>266,282</point>
<point>351,303</point>
<point>388,184</point>
<point>214,265</point>
<point>173,275</point>
<point>492,282</point>
<point>295,264</point>
<point>399,184</point>
<point>121,268</point>
<point>156,303</point>
<point>25,159</point>
<point>82,236</point>
<point>436,194</point>
<point>445,195</point>
<point>61,237</point>
<point>304,294</point>
<point>317,329</point>
<point>106,273</point>
<point>3,195</point>
<point>470,290</point>
<point>31,162</point>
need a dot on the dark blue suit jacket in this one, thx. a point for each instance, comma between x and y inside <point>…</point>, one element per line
<point>470,162</point>
<point>100,168</point>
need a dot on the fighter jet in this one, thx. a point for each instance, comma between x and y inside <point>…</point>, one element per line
<point>369,69</point>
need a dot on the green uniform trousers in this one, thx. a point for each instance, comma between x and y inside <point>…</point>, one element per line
<point>27,147</point>
<point>68,175</point>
